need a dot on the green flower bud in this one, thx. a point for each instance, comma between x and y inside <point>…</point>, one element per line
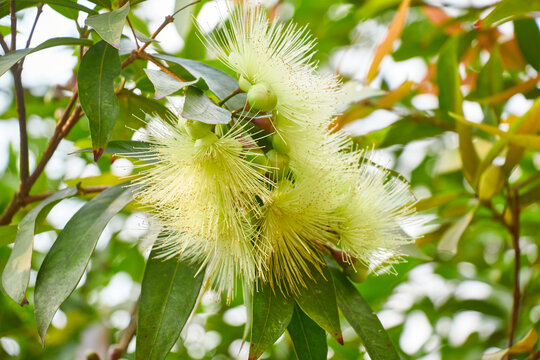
<point>244,84</point>
<point>280,145</point>
<point>206,140</point>
<point>197,129</point>
<point>261,97</point>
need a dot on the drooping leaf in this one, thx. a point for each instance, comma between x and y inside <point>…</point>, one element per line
<point>168,295</point>
<point>99,67</point>
<point>450,101</point>
<point>318,301</point>
<point>7,61</point>
<point>17,271</point>
<point>67,259</point>
<point>450,239</point>
<point>528,38</point>
<point>109,25</point>
<point>308,338</point>
<point>363,320</point>
<point>507,10</point>
<point>198,106</point>
<point>220,83</point>
<point>271,314</point>
<point>166,84</point>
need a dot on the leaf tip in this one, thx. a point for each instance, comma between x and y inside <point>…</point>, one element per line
<point>98,153</point>
<point>24,302</point>
<point>339,339</point>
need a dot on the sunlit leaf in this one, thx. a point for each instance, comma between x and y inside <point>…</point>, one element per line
<point>308,338</point>
<point>109,25</point>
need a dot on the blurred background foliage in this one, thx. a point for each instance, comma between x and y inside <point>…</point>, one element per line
<point>450,102</point>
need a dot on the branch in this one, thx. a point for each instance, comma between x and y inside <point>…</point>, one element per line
<point>5,46</point>
<point>39,11</point>
<point>133,31</point>
<point>117,350</point>
<point>513,200</point>
<point>13,25</point>
<point>146,56</point>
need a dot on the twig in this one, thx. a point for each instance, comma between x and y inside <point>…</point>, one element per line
<point>21,115</point>
<point>165,69</point>
<point>133,31</point>
<point>39,11</point>
<point>513,200</point>
<point>4,45</point>
<point>117,350</point>
<point>228,97</point>
<point>13,25</point>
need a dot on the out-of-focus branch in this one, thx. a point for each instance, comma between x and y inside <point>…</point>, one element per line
<point>513,201</point>
<point>117,350</point>
<point>39,11</point>
<point>13,25</point>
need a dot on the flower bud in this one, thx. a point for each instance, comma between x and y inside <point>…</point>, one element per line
<point>491,182</point>
<point>244,84</point>
<point>197,129</point>
<point>280,145</point>
<point>206,140</point>
<point>261,97</point>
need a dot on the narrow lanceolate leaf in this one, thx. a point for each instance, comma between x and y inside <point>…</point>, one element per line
<point>99,67</point>
<point>450,239</point>
<point>17,271</point>
<point>308,338</point>
<point>507,10</point>
<point>198,106</point>
<point>136,149</point>
<point>165,84</point>
<point>451,101</point>
<point>219,82</point>
<point>7,61</point>
<point>394,32</point>
<point>363,320</point>
<point>271,314</point>
<point>65,263</point>
<point>528,38</point>
<point>109,25</point>
<point>318,301</point>
<point>168,295</point>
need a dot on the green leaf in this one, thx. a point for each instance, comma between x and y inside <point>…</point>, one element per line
<point>65,263</point>
<point>168,295</point>
<point>124,148</point>
<point>507,10</point>
<point>198,106</point>
<point>22,4</point>
<point>17,271</point>
<point>99,67</point>
<point>528,38</point>
<point>450,101</point>
<point>220,83</point>
<point>8,233</point>
<point>308,338</point>
<point>450,239</point>
<point>318,301</point>
<point>271,314</point>
<point>7,61</point>
<point>110,25</point>
<point>363,320</point>
<point>165,84</point>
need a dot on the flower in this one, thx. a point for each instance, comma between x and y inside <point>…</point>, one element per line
<point>204,191</point>
<point>275,59</point>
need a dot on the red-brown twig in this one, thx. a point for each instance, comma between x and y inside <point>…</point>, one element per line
<point>117,350</point>
<point>514,227</point>
<point>39,11</point>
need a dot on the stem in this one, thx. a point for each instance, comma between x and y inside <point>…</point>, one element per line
<point>21,115</point>
<point>513,200</point>
<point>118,349</point>
<point>5,46</point>
<point>228,97</point>
<point>165,69</point>
<point>13,25</point>
<point>39,11</point>
<point>133,31</point>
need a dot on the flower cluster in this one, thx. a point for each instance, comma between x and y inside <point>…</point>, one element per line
<point>251,206</point>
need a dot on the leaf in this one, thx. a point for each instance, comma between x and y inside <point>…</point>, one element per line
<point>22,4</point>
<point>528,123</point>
<point>412,250</point>
<point>363,319</point>
<point>528,37</point>
<point>525,345</point>
<point>8,233</point>
<point>198,106</point>
<point>17,271</point>
<point>65,263</point>
<point>394,32</point>
<point>308,338</point>
<point>7,61</point>
<point>450,101</point>
<point>166,84</point>
<point>507,10</point>
<point>110,25</point>
<point>124,148</point>
<point>220,83</point>
<point>99,67</point>
<point>450,239</point>
<point>437,200</point>
<point>169,291</point>
<point>318,301</point>
<point>271,315</point>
